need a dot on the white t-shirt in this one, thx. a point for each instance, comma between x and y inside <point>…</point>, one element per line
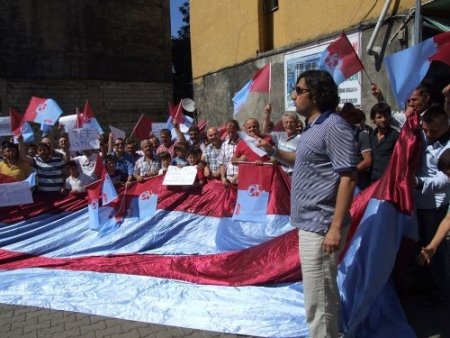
<point>86,164</point>
<point>78,183</point>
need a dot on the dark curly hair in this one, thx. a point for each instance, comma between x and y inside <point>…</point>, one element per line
<point>380,108</point>
<point>322,89</point>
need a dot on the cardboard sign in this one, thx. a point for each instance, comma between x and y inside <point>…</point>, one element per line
<point>180,176</point>
<point>118,133</point>
<point>15,193</point>
<point>83,139</point>
<point>5,126</point>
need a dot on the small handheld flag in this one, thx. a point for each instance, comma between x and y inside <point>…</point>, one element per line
<point>340,60</point>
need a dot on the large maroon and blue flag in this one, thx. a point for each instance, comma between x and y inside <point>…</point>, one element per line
<point>191,265</point>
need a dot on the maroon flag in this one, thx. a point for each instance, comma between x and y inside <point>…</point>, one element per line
<point>262,79</point>
<point>340,59</point>
<point>143,128</point>
<point>254,186</point>
<point>16,122</point>
<point>86,116</point>
<point>176,112</point>
<point>202,124</point>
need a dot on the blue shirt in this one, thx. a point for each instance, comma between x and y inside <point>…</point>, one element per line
<point>326,149</point>
<point>435,190</point>
<point>125,164</point>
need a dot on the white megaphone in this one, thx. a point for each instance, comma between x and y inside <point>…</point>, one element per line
<point>188,105</point>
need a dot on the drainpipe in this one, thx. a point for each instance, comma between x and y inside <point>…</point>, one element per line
<point>371,50</point>
<point>417,23</point>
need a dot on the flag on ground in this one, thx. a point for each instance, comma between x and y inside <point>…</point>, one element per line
<point>406,69</point>
<point>191,253</point>
<point>43,111</point>
<point>340,59</point>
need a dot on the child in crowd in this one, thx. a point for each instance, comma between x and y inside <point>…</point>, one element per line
<point>31,150</point>
<point>165,162</point>
<point>116,175</point>
<point>194,155</point>
<point>76,182</point>
<point>180,150</point>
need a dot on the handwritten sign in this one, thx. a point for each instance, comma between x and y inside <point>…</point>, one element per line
<point>118,133</point>
<point>15,193</point>
<point>82,139</point>
<point>5,126</point>
<point>180,176</point>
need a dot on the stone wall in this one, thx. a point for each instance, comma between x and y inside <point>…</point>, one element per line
<point>115,53</point>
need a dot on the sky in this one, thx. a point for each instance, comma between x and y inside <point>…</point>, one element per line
<point>175,16</point>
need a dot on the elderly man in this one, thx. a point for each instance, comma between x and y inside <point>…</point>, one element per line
<point>212,150</point>
<point>322,189</point>
<point>286,140</point>
<point>147,165</point>
<point>243,152</point>
<point>228,170</point>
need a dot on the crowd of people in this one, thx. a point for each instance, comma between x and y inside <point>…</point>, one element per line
<point>328,156</point>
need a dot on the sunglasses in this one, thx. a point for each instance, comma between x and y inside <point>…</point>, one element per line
<point>119,144</point>
<point>300,91</point>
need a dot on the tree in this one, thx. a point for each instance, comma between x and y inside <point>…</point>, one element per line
<point>184,31</point>
<point>181,51</point>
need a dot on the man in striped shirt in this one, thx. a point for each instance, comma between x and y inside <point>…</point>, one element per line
<point>322,189</point>
<point>49,168</point>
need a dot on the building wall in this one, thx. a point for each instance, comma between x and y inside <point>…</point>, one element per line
<point>214,92</point>
<point>115,53</point>
<point>226,33</point>
<point>219,74</point>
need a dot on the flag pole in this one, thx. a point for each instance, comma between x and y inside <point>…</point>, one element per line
<point>367,74</point>
<point>270,78</point>
<point>142,115</point>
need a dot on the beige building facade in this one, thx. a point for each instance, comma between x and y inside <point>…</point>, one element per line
<point>231,39</point>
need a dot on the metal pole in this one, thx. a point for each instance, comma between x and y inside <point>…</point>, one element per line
<point>417,23</point>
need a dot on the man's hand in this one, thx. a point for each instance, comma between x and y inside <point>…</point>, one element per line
<point>446,92</point>
<point>425,255</point>
<point>332,240</point>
